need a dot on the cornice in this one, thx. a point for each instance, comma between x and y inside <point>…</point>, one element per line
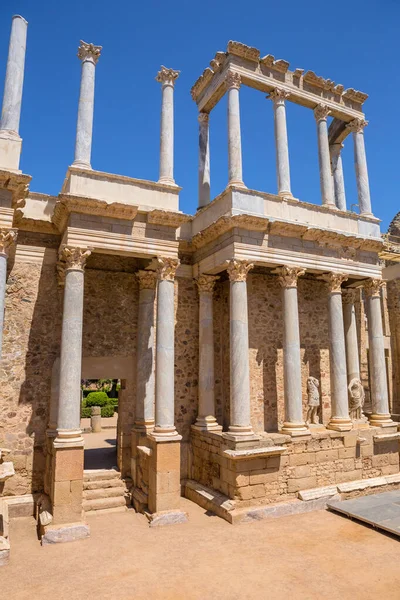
<point>68,204</point>
<point>151,185</point>
<point>226,223</point>
<point>167,218</point>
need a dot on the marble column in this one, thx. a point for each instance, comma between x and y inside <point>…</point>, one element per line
<point>378,379</point>
<point>340,419</point>
<point>206,420</point>
<point>337,174</point>
<point>204,160</point>
<point>165,342</point>
<point>145,360</point>
<point>360,161</point>
<point>240,421</point>
<point>350,334</point>
<point>321,113</point>
<point>7,238</point>
<point>11,110</point>
<point>232,84</point>
<point>69,407</point>
<point>278,97</point>
<point>167,78</point>
<point>89,55</point>
<point>294,422</point>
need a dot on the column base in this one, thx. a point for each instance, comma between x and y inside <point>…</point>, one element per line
<point>331,206</point>
<point>143,427</point>
<point>376,420</point>
<point>167,180</point>
<point>207,424</point>
<point>81,164</point>
<point>68,438</point>
<point>240,434</point>
<point>295,429</point>
<point>366,214</point>
<point>69,532</point>
<point>165,434</point>
<point>283,194</point>
<point>340,424</point>
<point>237,183</point>
<point>166,517</point>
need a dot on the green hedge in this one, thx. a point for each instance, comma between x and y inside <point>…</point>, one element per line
<point>86,413</point>
<point>107,411</point>
<point>113,401</point>
<point>97,399</point>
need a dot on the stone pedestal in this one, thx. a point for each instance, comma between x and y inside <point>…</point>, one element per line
<point>340,419</point>
<point>95,419</point>
<point>89,55</point>
<point>10,151</point>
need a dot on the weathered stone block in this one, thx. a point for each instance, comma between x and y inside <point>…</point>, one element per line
<point>295,485</point>
<point>263,477</point>
<point>68,464</point>
<point>327,455</point>
<point>347,452</point>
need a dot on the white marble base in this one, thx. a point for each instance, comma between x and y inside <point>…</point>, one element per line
<point>169,517</point>
<point>65,533</point>
<point>10,151</point>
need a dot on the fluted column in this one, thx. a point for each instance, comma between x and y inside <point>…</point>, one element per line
<point>204,160</point>
<point>240,421</point>
<point>68,420</point>
<point>350,334</point>
<point>206,415</point>
<point>294,422</point>
<point>165,341</point>
<point>89,55</point>
<point>11,110</point>
<point>7,238</point>
<point>337,174</point>
<point>145,359</point>
<point>278,97</point>
<point>378,378</point>
<point>232,83</point>
<point>167,78</point>
<point>360,161</point>
<point>321,113</point>
<point>340,419</point>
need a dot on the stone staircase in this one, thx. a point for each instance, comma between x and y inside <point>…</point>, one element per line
<point>105,491</point>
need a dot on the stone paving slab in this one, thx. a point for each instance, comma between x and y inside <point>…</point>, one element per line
<point>380,510</point>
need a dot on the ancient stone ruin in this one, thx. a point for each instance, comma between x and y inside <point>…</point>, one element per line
<point>252,339</point>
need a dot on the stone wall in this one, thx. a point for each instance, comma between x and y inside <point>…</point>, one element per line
<point>324,459</point>
<point>32,334</point>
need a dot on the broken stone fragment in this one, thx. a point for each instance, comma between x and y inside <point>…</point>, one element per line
<point>6,470</point>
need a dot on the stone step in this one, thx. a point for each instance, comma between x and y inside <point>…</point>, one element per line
<point>100,474</point>
<point>103,484</point>
<point>111,492</point>
<point>104,511</point>
<point>102,503</point>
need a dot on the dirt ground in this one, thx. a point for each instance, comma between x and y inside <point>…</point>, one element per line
<point>302,557</point>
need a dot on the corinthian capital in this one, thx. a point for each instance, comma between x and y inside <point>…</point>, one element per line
<point>238,269</point>
<point>147,280</point>
<point>372,288</point>
<point>287,276</point>
<point>232,80</point>
<point>89,52</point>
<point>334,281</point>
<point>357,125</point>
<point>166,269</point>
<point>7,238</point>
<point>74,258</point>
<point>167,76</point>
<point>203,117</point>
<point>278,96</point>
<point>206,283</point>
<point>321,112</point>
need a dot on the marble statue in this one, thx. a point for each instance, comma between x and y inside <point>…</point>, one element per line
<point>313,401</point>
<point>356,398</point>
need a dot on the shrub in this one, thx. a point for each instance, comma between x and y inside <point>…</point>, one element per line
<point>112,401</point>
<point>83,404</point>
<point>97,399</point>
<point>107,411</point>
<point>86,413</point>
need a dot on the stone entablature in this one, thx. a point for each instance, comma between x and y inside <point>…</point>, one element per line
<point>265,74</point>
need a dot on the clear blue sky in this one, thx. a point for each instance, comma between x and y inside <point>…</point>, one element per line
<point>353,42</point>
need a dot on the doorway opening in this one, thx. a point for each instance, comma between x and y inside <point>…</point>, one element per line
<point>99,422</point>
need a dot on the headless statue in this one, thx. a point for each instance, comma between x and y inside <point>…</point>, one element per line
<point>356,398</point>
<point>313,401</point>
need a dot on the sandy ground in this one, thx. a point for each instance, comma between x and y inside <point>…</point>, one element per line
<point>302,557</point>
<point>100,449</point>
